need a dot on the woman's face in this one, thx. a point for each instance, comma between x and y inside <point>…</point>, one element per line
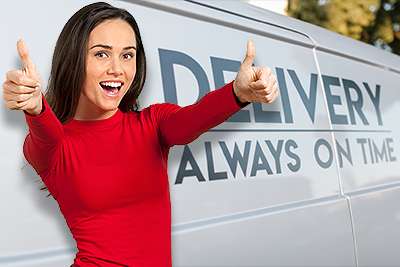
<point>110,69</point>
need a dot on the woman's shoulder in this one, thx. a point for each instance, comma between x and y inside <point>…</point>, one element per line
<point>159,111</point>
<point>163,107</point>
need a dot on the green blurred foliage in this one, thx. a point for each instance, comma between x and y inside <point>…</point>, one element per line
<point>376,22</point>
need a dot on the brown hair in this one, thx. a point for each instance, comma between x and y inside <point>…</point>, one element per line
<point>68,68</point>
<point>69,60</point>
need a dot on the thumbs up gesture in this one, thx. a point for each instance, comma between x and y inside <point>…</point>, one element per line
<point>21,89</point>
<point>255,84</point>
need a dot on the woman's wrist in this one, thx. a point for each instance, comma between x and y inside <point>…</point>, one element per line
<point>38,109</point>
<point>237,96</point>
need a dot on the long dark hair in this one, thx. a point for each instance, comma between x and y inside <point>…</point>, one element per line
<point>69,60</point>
<point>68,68</point>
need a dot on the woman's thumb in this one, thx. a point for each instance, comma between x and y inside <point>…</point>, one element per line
<point>250,54</point>
<point>27,65</point>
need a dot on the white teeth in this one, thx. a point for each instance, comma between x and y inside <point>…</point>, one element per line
<point>112,84</point>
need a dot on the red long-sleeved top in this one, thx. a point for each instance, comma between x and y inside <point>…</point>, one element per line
<point>110,178</point>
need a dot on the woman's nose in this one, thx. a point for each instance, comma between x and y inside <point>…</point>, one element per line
<point>115,67</point>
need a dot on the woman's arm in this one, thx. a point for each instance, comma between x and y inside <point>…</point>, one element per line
<point>181,125</point>
<point>21,91</point>
<point>44,138</point>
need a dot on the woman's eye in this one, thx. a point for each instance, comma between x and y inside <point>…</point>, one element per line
<point>128,56</point>
<point>100,55</point>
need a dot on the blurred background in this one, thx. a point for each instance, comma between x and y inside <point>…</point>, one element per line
<point>376,22</point>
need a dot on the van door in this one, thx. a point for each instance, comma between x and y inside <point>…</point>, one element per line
<point>262,188</point>
<point>364,102</point>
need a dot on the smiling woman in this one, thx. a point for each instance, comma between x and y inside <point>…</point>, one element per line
<point>101,159</point>
<point>104,43</point>
<point>110,69</point>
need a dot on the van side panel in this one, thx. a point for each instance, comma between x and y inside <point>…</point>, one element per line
<point>309,235</point>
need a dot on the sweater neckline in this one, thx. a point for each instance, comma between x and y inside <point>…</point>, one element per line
<point>98,124</point>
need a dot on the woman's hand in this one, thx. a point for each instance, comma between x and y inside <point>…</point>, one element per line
<point>255,84</point>
<point>21,89</point>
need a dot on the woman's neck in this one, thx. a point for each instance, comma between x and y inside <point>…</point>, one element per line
<point>86,110</point>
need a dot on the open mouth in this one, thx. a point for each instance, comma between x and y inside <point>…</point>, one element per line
<point>111,88</point>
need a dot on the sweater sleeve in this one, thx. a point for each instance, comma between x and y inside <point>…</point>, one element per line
<point>181,125</point>
<point>44,136</point>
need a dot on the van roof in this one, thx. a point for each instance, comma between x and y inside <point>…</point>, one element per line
<point>322,39</point>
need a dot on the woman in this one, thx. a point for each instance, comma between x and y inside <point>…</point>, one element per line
<point>104,161</point>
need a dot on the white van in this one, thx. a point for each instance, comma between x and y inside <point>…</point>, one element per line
<point>310,180</point>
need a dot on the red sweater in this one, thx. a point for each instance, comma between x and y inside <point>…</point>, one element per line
<point>110,178</point>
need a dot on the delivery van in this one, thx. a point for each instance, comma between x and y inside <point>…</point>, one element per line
<point>312,179</point>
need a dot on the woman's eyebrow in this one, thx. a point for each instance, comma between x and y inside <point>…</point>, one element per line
<point>110,47</point>
<point>129,47</point>
<point>102,46</point>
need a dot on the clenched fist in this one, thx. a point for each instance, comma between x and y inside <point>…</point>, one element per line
<point>21,89</point>
<point>255,84</point>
